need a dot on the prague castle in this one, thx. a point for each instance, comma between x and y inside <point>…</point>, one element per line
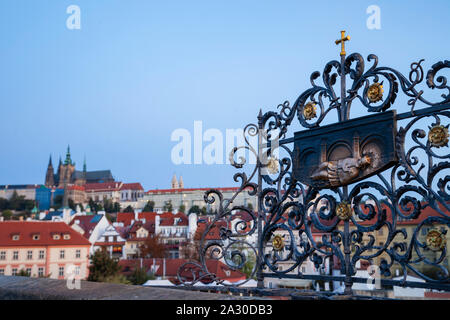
<point>68,175</point>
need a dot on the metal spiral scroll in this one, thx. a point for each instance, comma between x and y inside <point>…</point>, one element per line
<point>233,249</point>
<point>420,179</point>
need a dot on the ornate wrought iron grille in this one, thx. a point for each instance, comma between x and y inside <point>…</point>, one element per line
<point>345,195</point>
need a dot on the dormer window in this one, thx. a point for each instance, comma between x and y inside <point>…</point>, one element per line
<point>15,237</point>
<point>35,236</point>
<point>56,237</point>
<point>66,236</point>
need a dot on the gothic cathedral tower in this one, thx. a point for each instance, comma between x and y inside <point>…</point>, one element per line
<point>50,175</point>
<point>66,170</point>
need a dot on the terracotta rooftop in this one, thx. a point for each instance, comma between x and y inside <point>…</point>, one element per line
<point>87,223</point>
<point>180,190</point>
<point>132,186</point>
<point>45,229</point>
<point>105,186</point>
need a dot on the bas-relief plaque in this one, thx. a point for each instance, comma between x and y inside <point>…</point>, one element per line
<point>345,152</point>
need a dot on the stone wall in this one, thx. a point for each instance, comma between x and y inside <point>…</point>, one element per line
<point>24,288</point>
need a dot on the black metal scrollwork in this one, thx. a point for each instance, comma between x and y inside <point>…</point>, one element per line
<point>346,217</point>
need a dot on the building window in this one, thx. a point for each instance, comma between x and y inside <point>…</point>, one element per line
<point>41,254</point>
<point>77,270</point>
<point>40,272</point>
<point>14,271</point>
<point>2,272</point>
<point>3,255</point>
<point>28,270</point>
<point>61,271</point>
<point>66,236</point>
<point>62,254</point>
<point>56,237</point>
<point>16,255</point>
<point>78,254</point>
<point>29,255</point>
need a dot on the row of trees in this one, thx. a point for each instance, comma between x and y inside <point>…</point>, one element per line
<point>16,203</point>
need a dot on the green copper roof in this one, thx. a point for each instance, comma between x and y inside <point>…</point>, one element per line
<point>68,159</point>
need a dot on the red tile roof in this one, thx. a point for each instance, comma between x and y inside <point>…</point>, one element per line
<point>131,186</point>
<point>125,218</point>
<point>123,231</point>
<point>74,187</point>
<point>87,223</point>
<point>191,189</point>
<point>45,229</point>
<point>166,218</point>
<point>169,220</point>
<point>104,186</point>
<point>214,232</point>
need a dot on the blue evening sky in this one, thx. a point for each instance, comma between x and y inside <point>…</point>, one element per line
<point>116,89</point>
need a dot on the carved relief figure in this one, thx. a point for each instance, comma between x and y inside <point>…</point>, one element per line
<point>342,171</point>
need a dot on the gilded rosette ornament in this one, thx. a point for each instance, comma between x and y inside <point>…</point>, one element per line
<point>272,165</point>
<point>438,136</point>
<point>277,243</point>
<point>309,111</point>
<point>375,92</point>
<point>435,240</point>
<point>344,210</point>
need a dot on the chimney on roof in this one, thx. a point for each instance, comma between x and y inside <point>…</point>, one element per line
<point>136,215</point>
<point>157,221</point>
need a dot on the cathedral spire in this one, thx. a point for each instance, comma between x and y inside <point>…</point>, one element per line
<point>68,159</point>
<point>50,175</point>
<point>84,164</point>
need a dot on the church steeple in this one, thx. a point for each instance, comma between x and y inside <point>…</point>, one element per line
<point>181,183</point>
<point>50,175</point>
<point>174,182</point>
<point>68,159</point>
<point>84,165</point>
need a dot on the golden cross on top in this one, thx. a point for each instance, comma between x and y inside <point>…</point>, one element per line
<point>342,41</point>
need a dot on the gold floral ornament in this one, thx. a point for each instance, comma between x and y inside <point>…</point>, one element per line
<point>344,210</point>
<point>435,240</point>
<point>277,243</point>
<point>375,92</point>
<point>438,136</point>
<point>272,165</point>
<point>309,111</point>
